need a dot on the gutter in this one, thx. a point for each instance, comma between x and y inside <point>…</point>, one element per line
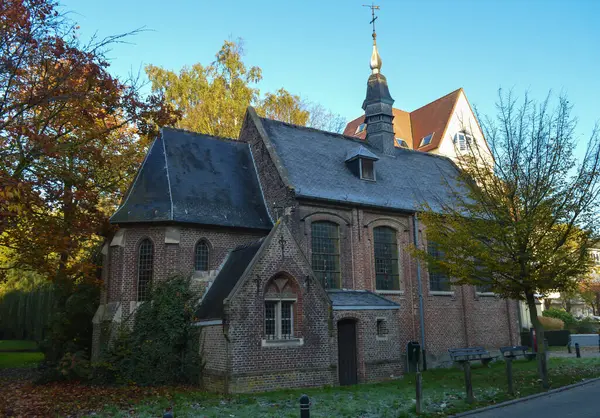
<point>420,292</point>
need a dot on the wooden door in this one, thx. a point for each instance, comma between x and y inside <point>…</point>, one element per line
<point>347,352</point>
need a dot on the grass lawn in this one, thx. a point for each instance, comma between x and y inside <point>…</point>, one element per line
<point>443,391</point>
<point>20,360</point>
<point>17,345</point>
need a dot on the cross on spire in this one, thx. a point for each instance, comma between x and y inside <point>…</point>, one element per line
<point>374,18</point>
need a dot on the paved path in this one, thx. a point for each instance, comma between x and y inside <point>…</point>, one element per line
<point>581,402</point>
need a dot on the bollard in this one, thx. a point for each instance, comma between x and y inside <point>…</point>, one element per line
<point>569,347</point>
<point>468,384</point>
<point>304,406</point>
<point>509,375</point>
<point>577,351</point>
<point>419,398</point>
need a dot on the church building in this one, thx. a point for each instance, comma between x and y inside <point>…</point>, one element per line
<point>298,240</point>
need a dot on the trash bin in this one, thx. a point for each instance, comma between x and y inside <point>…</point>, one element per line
<point>413,353</point>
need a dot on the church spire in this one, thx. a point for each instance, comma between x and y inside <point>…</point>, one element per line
<point>378,103</point>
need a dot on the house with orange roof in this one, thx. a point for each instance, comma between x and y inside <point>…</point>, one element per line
<point>447,126</point>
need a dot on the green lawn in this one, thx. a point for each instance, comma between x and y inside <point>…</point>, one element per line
<point>17,345</point>
<point>20,360</point>
<point>443,391</point>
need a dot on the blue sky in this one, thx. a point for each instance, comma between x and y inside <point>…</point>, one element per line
<point>321,49</point>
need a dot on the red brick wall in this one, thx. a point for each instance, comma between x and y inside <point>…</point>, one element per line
<point>256,366</point>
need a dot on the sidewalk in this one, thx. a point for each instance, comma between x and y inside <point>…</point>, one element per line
<point>579,400</point>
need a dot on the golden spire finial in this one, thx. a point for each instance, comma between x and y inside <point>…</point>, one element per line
<point>375,58</point>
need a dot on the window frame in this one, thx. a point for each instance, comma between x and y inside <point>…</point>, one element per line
<point>439,277</point>
<point>203,242</point>
<point>360,128</point>
<point>362,161</point>
<point>428,137</point>
<point>465,145</point>
<point>321,274</point>
<point>391,261</point>
<point>278,336</point>
<point>142,290</point>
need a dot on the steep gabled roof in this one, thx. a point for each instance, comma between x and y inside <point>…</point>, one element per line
<point>414,126</point>
<point>193,178</point>
<point>433,118</point>
<point>315,168</point>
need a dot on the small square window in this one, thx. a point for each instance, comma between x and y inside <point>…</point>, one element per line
<point>360,128</point>
<point>427,139</point>
<point>367,169</point>
<point>382,329</point>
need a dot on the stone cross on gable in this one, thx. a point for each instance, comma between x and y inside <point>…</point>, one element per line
<point>282,242</point>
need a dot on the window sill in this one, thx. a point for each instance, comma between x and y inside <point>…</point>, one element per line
<point>441,293</point>
<point>486,294</point>
<point>389,292</point>
<point>293,342</point>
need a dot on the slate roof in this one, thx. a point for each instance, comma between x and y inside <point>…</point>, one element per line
<point>233,269</point>
<point>359,300</point>
<point>194,178</point>
<point>315,165</point>
<point>413,126</point>
<point>360,151</point>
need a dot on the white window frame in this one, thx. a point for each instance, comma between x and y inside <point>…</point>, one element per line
<point>360,128</point>
<point>430,139</point>
<point>467,141</point>
<point>278,303</point>
<point>362,177</point>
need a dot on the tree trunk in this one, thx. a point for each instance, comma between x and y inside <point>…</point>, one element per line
<point>539,332</point>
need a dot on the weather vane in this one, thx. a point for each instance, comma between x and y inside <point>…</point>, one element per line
<point>374,18</point>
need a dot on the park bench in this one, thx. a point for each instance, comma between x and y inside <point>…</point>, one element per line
<point>517,351</point>
<point>468,354</point>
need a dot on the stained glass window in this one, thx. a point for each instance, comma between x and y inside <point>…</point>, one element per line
<point>326,253</point>
<point>145,269</point>
<point>387,275</point>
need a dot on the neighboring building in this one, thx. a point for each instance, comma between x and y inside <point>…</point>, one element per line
<point>299,240</point>
<point>447,126</point>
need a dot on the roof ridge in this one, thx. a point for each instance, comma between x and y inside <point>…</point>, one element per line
<point>308,128</point>
<point>436,100</point>
<point>209,136</point>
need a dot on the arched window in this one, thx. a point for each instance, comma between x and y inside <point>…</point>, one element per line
<point>201,256</point>
<point>281,296</point>
<point>385,245</point>
<point>145,269</point>
<point>326,253</point>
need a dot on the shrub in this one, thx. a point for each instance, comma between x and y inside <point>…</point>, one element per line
<point>551,324</point>
<point>162,347</point>
<point>586,326</point>
<point>561,314</point>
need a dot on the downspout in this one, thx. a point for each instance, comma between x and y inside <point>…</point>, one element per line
<point>420,291</point>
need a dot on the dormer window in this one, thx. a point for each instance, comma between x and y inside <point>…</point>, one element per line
<point>402,143</point>
<point>361,163</point>
<point>463,141</point>
<point>360,128</point>
<point>367,169</point>
<point>426,140</point>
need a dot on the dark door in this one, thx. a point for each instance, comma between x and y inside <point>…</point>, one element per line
<point>347,351</point>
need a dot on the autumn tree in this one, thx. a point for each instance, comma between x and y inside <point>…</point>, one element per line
<point>523,222</point>
<point>70,137</point>
<point>213,98</point>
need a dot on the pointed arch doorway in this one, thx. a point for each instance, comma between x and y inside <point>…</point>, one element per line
<point>347,352</point>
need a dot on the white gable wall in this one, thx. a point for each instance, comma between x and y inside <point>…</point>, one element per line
<point>462,119</point>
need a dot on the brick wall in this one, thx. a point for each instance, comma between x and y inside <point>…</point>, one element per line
<point>214,354</point>
<point>258,364</point>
